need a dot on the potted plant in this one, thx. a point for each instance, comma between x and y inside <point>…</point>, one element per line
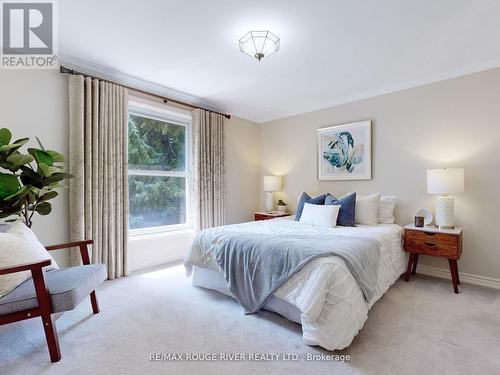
<point>282,205</point>
<point>27,181</point>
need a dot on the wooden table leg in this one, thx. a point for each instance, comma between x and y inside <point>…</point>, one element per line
<point>411,259</point>
<point>454,274</point>
<point>415,261</point>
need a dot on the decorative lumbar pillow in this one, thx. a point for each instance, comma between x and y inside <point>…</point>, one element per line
<point>18,245</point>
<point>386,207</point>
<point>320,215</point>
<point>306,198</point>
<point>347,212</point>
<point>367,209</point>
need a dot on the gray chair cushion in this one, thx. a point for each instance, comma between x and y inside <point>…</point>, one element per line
<point>67,287</point>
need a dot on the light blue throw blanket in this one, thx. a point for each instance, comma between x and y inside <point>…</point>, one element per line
<point>256,265</point>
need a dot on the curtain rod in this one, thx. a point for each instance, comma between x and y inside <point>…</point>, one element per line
<point>64,70</point>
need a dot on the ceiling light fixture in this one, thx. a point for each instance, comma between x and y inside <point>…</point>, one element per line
<point>259,44</point>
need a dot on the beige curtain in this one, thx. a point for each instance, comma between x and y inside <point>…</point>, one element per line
<point>208,167</point>
<point>99,162</point>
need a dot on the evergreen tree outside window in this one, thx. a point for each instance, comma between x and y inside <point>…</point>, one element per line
<point>158,171</point>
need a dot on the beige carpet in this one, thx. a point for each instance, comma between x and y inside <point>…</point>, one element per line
<point>419,327</point>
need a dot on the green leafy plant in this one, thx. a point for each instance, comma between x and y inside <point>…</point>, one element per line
<point>27,181</point>
<point>281,202</point>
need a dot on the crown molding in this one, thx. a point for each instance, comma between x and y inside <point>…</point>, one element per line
<point>108,73</point>
<point>389,89</point>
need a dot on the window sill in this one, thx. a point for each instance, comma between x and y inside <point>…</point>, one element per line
<point>170,233</point>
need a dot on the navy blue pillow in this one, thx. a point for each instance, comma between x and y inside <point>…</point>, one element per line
<point>347,211</point>
<point>306,198</point>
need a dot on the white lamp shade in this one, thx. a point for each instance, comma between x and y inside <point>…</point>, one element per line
<point>445,181</point>
<point>272,183</point>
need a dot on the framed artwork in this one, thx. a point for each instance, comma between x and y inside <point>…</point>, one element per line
<point>344,152</point>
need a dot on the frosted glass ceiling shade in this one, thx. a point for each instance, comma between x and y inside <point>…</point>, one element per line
<point>259,44</point>
<point>272,183</point>
<point>445,181</point>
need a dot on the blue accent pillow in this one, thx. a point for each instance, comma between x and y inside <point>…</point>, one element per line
<point>347,213</point>
<point>306,198</point>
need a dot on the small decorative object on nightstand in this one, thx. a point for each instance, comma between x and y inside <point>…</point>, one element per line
<point>282,205</point>
<point>419,221</point>
<point>445,243</point>
<point>269,215</point>
<point>426,214</point>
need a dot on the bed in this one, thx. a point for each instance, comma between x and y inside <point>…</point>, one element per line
<point>323,296</point>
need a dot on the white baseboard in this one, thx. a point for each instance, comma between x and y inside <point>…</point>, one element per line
<point>442,273</point>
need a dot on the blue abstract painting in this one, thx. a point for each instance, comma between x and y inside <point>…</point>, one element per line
<point>345,152</point>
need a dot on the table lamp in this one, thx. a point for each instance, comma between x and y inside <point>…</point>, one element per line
<point>271,185</point>
<point>445,181</point>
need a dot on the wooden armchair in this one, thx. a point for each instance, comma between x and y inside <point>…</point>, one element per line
<point>54,291</point>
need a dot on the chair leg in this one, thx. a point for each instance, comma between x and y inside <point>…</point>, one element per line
<point>52,340</point>
<point>45,306</point>
<point>93,301</point>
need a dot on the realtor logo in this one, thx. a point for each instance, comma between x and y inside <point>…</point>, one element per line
<point>28,35</point>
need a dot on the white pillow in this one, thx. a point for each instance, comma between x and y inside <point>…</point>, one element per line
<point>321,216</point>
<point>367,209</point>
<point>386,207</point>
<point>19,245</point>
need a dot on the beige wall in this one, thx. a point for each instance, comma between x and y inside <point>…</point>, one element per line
<point>450,123</point>
<point>35,103</point>
<point>242,155</point>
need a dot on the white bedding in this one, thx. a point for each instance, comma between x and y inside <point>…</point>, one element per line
<point>333,308</point>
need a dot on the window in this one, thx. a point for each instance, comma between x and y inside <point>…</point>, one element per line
<point>159,176</point>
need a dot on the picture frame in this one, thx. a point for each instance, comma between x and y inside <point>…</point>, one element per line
<point>344,152</point>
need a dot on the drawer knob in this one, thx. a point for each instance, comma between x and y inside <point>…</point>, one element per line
<point>430,233</point>
<point>429,244</point>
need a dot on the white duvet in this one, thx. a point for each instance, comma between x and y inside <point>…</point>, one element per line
<point>333,308</point>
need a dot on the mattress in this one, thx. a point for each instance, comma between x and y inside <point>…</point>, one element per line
<point>324,294</point>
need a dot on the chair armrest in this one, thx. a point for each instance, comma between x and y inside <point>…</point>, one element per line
<point>69,245</point>
<point>83,245</point>
<point>25,267</point>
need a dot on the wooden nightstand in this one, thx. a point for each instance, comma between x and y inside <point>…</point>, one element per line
<point>269,215</point>
<point>445,243</point>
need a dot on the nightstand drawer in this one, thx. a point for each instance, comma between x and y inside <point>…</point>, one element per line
<point>431,248</point>
<point>269,215</point>
<point>259,217</point>
<point>441,239</point>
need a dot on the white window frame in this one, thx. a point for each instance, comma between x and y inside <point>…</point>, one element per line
<point>165,113</point>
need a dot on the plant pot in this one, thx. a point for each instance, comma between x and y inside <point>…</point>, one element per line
<point>282,208</point>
